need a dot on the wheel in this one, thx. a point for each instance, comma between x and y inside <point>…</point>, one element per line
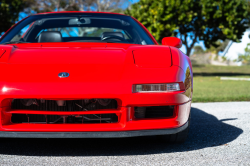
<point>177,138</point>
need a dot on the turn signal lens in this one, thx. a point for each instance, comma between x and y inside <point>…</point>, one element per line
<point>147,88</point>
<point>173,87</point>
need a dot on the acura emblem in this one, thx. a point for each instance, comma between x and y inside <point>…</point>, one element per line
<point>63,75</point>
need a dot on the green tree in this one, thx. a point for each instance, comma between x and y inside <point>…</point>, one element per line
<point>245,58</point>
<point>198,50</point>
<point>77,5</point>
<point>9,12</point>
<point>193,20</point>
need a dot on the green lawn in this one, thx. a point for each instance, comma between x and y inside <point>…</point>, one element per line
<point>212,89</point>
<point>209,88</point>
<point>221,70</point>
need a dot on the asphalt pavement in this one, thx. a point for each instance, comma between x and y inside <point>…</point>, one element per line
<point>219,135</point>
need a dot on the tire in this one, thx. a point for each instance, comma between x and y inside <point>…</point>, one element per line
<point>177,138</point>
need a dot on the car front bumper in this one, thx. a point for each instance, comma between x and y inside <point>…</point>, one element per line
<point>119,134</point>
<point>127,125</point>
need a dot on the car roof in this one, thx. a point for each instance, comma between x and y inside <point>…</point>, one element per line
<point>71,12</point>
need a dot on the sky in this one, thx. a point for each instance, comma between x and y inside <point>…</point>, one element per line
<point>238,48</point>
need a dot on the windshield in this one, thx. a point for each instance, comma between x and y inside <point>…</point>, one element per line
<point>74,27</point>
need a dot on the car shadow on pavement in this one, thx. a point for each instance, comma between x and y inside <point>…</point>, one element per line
<point>205,131</point>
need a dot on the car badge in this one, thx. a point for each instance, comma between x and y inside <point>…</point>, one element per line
<point>63,75</point>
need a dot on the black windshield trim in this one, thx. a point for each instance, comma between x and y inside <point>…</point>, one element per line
<point>74,14</point>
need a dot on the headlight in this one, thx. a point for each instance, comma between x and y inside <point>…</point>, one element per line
<point>149,88</point>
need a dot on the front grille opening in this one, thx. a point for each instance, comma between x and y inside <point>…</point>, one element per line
<point>154,112</point>
<point>64,105</point>
<point>55,119</point>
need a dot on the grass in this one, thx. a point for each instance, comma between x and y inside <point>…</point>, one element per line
<point>209,88</point>
<point>212,89</point>
<point>209,70</point>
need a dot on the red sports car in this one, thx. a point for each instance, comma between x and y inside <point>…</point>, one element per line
<point>92,75</point>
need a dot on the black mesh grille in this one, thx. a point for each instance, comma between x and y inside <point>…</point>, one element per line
<point>55,119</point>
<point>154,112</point>
<point>71,105</point>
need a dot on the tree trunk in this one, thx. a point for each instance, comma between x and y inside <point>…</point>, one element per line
<point>189,49</point>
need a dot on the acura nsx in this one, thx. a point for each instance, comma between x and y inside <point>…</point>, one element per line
<point>92,75</point>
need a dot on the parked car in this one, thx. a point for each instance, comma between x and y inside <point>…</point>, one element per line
<point>92,75</point>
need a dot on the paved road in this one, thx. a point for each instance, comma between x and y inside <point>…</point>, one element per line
<point>220,135</point>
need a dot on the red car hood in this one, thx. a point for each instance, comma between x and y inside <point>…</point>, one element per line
<point>35,62</point>
<point>98,68</point>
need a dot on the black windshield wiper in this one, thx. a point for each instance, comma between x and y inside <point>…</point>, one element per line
<point>15,42</point>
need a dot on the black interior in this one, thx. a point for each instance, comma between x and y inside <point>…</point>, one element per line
<point>113,36</point>
<point>50,36</point>
<point>56,36</point>
<point>107,34</point>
